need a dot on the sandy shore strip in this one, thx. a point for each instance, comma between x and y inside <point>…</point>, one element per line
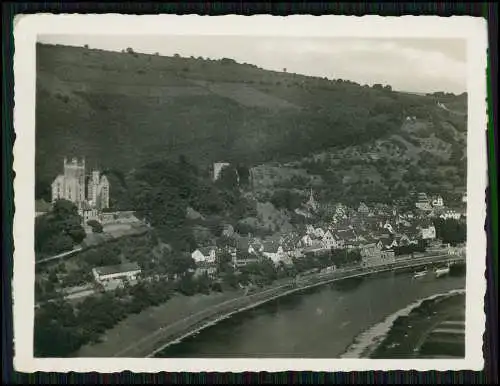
<point>364,345</point>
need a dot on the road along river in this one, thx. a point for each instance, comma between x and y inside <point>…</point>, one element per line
<point>315,322</point>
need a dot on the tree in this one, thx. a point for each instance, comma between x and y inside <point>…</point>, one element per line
<point>178,264</point>
<point>224,262</point>
<point>286,199</point>
<point>56,333</point>
<point>58,230</point>
<point>451,231</point>
<point>95,225</point>
<point>228,178</point>
<point>243,174</point>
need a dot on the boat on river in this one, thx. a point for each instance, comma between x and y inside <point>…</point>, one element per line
<point>420,274</point>
<point>442,271</point>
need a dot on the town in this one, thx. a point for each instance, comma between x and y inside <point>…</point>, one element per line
<point>367,236</point>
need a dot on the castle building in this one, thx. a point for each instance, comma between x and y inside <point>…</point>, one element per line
<point>87,192</point>
<point>98,190</point>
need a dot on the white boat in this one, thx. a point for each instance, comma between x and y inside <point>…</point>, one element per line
<point>420,274</point>
<point>442,271</point>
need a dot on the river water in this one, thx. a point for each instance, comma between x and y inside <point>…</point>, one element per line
<point>317,323</point>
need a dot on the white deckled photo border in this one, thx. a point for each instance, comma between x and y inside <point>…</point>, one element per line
<point>28,27</point>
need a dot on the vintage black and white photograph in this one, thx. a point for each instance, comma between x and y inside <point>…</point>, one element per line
<point>257,196</point>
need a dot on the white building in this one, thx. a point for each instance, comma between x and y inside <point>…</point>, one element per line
<point>306,241</point>
<point>128,271</point>
<point>372,255</point>
<point>98,190</point>
<point>205,255</point>
<point>88,193</point>
<point>428,232</point>
<point>208,269</point>
<point>273,251</point>
<point>218,166</point>
<point>319,233</point>
<point>438,202</point>
<point>450,214</point>
<point>70,185</point>
<point>330,241</point>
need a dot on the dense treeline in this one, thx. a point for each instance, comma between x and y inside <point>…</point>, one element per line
<point>58,230</point>
<point>61,329</point>
<point>451,231</point>
<point>163,190</point>
<point>323,112</point>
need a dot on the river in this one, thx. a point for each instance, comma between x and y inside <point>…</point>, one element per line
<point>318,323</point>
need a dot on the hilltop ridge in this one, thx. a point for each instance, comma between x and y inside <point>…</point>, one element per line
<point>140,108</point>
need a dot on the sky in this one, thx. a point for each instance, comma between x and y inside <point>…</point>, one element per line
<point>413,65</point>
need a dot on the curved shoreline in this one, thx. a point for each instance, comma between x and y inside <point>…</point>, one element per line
<point>369,340</point>
<point>210,321</point>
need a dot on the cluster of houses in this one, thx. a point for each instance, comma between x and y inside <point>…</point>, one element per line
<point>376,232</point>
<point>434,207</point>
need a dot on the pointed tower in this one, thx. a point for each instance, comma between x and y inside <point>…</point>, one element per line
<point>311,203</point>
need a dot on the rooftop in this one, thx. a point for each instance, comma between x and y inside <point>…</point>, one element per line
<point>122,268</point>
<point>206,250</point>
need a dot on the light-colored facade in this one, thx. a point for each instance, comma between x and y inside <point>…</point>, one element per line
<point>98,190</point>
<point>274,252</point>
<point>372,255</point>
<point>90,194</point>
<point>450,214</point>
<point>205,255</point>
<point>429,232</point>
<point>218,166</point>
<point>70,185</point>
<point>330,241</point>
<point>128,271</point>
<point>438,202</point>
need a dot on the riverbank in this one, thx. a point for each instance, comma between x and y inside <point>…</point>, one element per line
<point>151,331</point>
<point>136,327</point>
<point>436,329</point>
<point>402,334</point>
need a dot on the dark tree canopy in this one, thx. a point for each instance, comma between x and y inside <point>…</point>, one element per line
<point>58,230</point>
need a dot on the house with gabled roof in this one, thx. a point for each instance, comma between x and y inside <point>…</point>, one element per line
<point>450,214</point>
<point>346,235</point>
<point>243,258</point>
<point>374,255</point>
<point>329,240</point>
<point>205,254</point>
<point>306,241</point>
<point>315,247</point>
<point>403,240</point>
<point>310,230</point>
<point>385,243</point>
<point>248,245</point>
<point>206,268</point>
<point>273,251</point>
<point>127,271</point>
<point>363,209</point>
<point>319,232</point>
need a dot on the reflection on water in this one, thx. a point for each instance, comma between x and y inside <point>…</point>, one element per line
<point>319,322</point>
<point>347,284</point>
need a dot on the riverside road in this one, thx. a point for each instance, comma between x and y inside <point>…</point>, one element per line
<point>155,342</point>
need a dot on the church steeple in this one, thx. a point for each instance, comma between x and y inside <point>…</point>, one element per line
<point>311,202</point>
